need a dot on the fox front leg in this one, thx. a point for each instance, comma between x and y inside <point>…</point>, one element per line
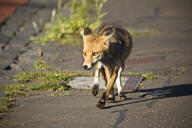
<point>95,88</point>
<point>109,87</point>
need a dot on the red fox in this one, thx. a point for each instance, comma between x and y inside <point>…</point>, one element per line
<point>107,50</point>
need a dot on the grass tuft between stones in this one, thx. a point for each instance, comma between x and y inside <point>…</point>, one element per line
<point>27,82</point>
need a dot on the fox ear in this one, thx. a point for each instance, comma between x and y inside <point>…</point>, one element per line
<point>86,31</point>
<point>107,38</point>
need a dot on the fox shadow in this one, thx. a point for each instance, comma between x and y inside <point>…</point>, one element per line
<point>156,93</point>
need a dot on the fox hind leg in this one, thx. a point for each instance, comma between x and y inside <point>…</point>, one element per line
<point>109,87</point>
<point>111,97</point>
<point>118,83</point>
<point>106,76</point>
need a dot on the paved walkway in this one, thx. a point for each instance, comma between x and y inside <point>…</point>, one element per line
<point>164,102</point>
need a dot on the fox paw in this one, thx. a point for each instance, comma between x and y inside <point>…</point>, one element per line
<point>95,89</point>
<point>100,104</point>
<point>110,99</point>
<point>122,96</point>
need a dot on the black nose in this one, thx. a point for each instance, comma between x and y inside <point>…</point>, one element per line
<point>85,66</point>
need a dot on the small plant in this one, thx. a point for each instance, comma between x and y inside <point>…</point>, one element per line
<point>54,77</point>
<point>145,75</point>
<point>51,86</point>
<point>5,103</point>
<point>16,90</point>
<point>78,73</point>
<point>148,76</point>
<point>27,77</point>
<point>142,32</point>
<point>35,81</point>
<point>40,65</point>
<point>66,28</point>
<point>42,81</point>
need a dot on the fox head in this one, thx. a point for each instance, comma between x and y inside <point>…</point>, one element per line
<point>94,48</point>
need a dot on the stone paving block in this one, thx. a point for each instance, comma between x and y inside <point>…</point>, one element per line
<point>3,38</point>
<point>2,94</point>
<point>20,40</point>
<point>7,78</point>
<point>27,60</point>
<point>21,16</point>
<point>8,30</point>
<point>52,4</point>
<point>23,28</point>
<point>27,31</point>
<point>9,54</point>
<point>4,64</point>
<point>37,3</point>
<point>30,8</point>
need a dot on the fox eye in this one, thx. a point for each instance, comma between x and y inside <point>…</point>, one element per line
<point>95,53</point>
<point>84,53</point>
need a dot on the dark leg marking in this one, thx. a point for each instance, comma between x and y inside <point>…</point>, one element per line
<point>122,96</point>
<point>95,89</point>
<point>102,101</point>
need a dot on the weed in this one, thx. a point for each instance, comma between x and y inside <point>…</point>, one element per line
<point>35,26</point>
<point>4,106</point>
<point>5,103</point>
<point>44,81</point>
<point>51,86</point>
<point>142,32</point>
<point>16,90</point>
<point>12,92</point>
<point>27,77</point>
<point>59,94</point>
<point>66,28</point>
<point>148,76</point>
<point>145,75</point>
<point>78,73</point>
<point>40,65</point>
<point>55,77</point>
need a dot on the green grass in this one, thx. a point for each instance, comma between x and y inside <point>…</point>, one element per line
<point>40,65</point>
<point>142,32</point>
<point>52,81</point>
<point>5,104</point>
<point>27,77</point>
<point>49,81</point>
<point>78,73</point>
<point>149,76</point>
<point>51,86</point>
<point>145,75</point>
<point>27,82</point>
<point>12,92</point>
<point>16,90</point>
<point>66,28</point>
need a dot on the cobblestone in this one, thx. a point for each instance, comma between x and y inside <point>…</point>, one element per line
<point>23,29</point>
<point>3,39</point>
